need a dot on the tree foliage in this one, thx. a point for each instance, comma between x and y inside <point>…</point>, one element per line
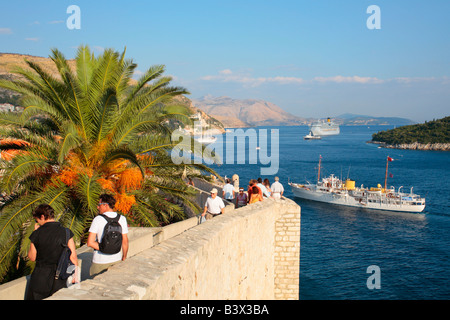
<point>84,132</point>
<point>436,131</point>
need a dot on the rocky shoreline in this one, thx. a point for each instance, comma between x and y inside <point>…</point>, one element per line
<point>415,146</point>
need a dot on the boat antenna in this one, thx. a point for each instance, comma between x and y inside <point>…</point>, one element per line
<point>348,173</point>
<point>318,174</point>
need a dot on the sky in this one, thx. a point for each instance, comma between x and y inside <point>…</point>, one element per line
<point>312,58</point>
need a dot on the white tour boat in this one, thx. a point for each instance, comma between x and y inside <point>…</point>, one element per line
<point>322,128</point>
<point>335,191</point>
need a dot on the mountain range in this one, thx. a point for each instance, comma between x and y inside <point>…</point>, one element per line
<point>232,113</point>
<point>235,113</point>
<point>357,119</point>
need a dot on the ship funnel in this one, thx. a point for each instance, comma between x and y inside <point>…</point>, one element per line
<point>349,184</point>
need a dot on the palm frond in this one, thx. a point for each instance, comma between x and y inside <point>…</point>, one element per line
<point>10,119</point>
<point>16,214</point>
<point>123,153</point>
<point>85,62</point>
<point>70,140</point>
<point>105,115</point>
<point>152,73</point>
<point>88,190</point>
<point>22,166</point>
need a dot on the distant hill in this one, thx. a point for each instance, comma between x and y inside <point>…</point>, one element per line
<point>431,132</point>
<point>251,112</point>
<point>232,113</point>
<point>246,112</point>
<point>10,100</point>
<point>357,120</point>
<point>10,61</point>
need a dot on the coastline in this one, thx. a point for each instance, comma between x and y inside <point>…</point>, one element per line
<point>415,146</point>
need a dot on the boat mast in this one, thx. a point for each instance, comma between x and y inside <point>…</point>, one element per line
<point>318,174</point>
<point>385,177</point>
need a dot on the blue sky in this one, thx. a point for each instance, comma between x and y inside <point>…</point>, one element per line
<point>311,58</point>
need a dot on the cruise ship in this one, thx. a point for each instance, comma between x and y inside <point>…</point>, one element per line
<point>335,191</point>
<point>322,128</point>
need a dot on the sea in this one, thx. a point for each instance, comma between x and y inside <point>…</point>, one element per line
<point>359,254</point>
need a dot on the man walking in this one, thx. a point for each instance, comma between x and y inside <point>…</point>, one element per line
<point>213,206</point>
<point>101,260</point>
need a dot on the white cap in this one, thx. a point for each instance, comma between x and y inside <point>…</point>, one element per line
<point>214,190</point>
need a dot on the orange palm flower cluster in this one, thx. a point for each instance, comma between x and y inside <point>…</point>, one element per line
<point>9,154</point>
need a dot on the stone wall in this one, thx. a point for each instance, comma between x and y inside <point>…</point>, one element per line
<point>248,253</point>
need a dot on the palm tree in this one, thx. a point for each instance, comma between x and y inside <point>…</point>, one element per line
<point>83,133</point>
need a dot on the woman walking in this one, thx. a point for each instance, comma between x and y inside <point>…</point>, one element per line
<point>47,243</point>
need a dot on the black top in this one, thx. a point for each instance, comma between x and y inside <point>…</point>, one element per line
<point>49,240</point>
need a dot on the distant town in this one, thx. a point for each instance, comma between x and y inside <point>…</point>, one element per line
<point>7,107</point>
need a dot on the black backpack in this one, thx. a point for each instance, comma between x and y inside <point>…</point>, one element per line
<point>65,267</point>
<point>112,235</point>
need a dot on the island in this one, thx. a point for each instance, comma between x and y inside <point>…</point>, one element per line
<point>431,135</point>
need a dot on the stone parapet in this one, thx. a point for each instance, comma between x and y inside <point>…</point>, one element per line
<point>249,253</point>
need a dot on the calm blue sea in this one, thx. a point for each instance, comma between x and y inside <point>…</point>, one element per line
<point>338,243</point>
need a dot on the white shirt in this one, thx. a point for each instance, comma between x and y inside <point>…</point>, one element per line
<point>263,189</point>
<point>214,205</point>
<point>97,226</point>
<point>277,187</point>
<point>228,189</point>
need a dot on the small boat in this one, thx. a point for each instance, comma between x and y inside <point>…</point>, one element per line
<point>322,128</point>
<point>206,139</point>
<point>335,191</point>
<point>311,136</point>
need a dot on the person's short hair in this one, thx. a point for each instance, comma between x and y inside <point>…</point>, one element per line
<point>44,210</point>
<point>255,189</point>
<point>109,199</point>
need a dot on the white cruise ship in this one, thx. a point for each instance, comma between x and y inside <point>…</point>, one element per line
<point>322,128</point>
